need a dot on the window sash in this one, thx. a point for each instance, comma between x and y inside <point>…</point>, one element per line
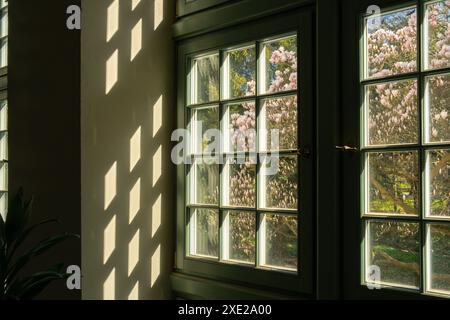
<point>423,147</point>
<point>281,280</point>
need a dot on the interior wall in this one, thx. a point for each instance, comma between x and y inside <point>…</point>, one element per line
<point>127,178</point>
<point>44,125</point>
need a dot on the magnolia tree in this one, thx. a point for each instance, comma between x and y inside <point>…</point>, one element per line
<point>281,188</point>
<point>393,118</point>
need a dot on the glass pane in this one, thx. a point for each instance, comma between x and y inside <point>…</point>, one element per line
<point>239,238</point>
<point>239,182</point>
<point>3,146</point>
<point>204,129</point>
<point>4,23</point>
<point>204,233</point>
<point>278,127</point>
<point>438,183</point>
<point>240,127</point>
<point>3,177</point>
<point>391,43</point>
<point>3,204</point>
<point>279,241</point>
<point>278,66</point>
<point>439,258</point>
<point>3,116</point>
<point>393,181</point>
<point>4,53</point>
<point>395,248</point>
<point>437,99</point>
<point>279,182</point>
<point>240,73</point>
<point>437,31</point>
<point>392,116</point>
<point>205,86</point>
<point>204,184</point>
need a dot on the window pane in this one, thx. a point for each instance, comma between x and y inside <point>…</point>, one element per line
<point>438,108</point>
<point>395,248</point>
<point>278,124</point>
<point>240,127</point>
<point>205,86</point>
<point>3,146</point>
<point>203,123</point>
<point>439,258</point>
<point>3,177</point>
<point>391,110</point>
<point>279,241</point>
<point>3,204</point>
<point>437,30</point>
<point>393,181</point>
<point>204,233</point>
<point>204,184</point>
<point>3,115</point>
<point>3,52</point>
<point>240,73</point>
<point>278,67</point>
<point>391,43</point>
<point>279,182</point>
<point>239,182</point>
<point>438,183</point>
<point>4,23</point>
<point>239,237</point>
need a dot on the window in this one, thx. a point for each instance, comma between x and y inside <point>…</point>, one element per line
<point>405,85</point>
<point>3,33</point>
<point>3,108</point>
<point>247,210</point>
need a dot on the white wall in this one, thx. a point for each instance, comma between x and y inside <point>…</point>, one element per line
<point>127,116</point>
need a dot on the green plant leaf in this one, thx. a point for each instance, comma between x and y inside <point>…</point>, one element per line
<point>39,249</point>
<point>2,231</point>
<point>34,285</point>
<point>24,235</point>
<point>17,217</point>
<point>3,265</point>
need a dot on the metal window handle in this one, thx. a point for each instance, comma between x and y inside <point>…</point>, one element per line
<point>347,148</point>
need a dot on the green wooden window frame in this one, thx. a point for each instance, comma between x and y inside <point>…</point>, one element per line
<point>3,107</point>
<point>297,22</point>
<point>185,7</point>
<point>421,148</point>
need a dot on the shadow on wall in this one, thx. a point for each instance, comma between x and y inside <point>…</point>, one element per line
<point>127,176</point>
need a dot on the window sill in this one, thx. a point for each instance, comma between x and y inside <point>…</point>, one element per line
<point>189,287</point>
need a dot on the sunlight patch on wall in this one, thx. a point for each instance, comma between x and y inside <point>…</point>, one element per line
<point>109,240</point>
<point>135,149</point>
<point>157,115</point>
<point>134,4</point>
<point>157,165</point>
<point>133,253</point>
<point>156,215</point>
<point>112,24</point>
<point>110,185</point>
<point>112,65</point>
<point>136,39</point>
<point>135,201</point>
<point>109,286</point>
<point>134,294</point>
<point>158,13</point>
<point>156,266</point>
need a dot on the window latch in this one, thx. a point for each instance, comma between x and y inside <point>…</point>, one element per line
<point>347,148</point>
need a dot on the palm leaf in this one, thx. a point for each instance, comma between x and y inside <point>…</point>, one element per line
<point>25,234</point>
<point>39,249</point>
<point>17,217</point>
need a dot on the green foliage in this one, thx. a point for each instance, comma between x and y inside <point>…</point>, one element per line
<point>13,232</point>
